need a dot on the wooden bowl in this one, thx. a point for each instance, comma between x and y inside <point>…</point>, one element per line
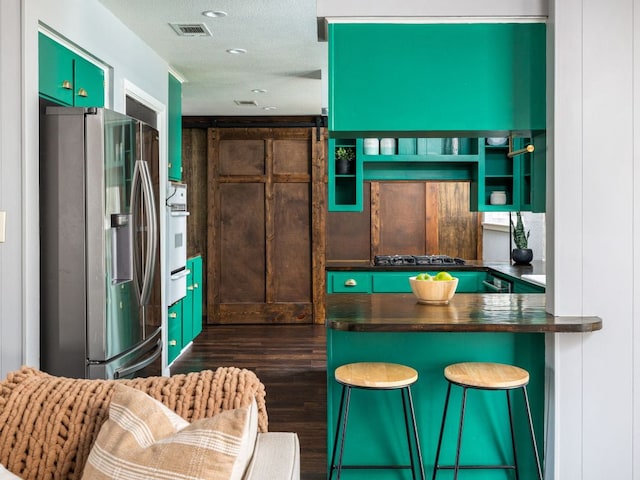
<point>433,292</point>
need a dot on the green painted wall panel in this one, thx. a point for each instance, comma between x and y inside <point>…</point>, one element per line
<point>436,77</point>
<point>375,431</point>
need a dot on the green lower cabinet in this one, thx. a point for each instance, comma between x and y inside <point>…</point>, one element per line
<point>397,282</point>
<point>174,331</point>
<point>185,316</point>
<point>376,433</point>
<point>196,295</point>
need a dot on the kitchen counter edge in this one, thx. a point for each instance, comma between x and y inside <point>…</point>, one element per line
<point>515,313</point>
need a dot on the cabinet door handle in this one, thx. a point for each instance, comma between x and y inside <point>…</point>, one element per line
<point>173,315</point>
<point>82,92</point>
<point>350,283</point>
<point>195,285</point>
<point>66,84</point>
<point>190,287</point>
<point>173,343</point>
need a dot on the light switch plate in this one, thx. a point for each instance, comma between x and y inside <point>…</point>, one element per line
<point>3,217</point>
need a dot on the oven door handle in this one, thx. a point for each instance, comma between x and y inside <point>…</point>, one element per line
<point>180,274</point>
<point>179,214</point>
<point>496,288</point>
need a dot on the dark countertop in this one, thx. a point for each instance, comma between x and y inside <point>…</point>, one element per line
<point>466,312</point>
<point>516,271</point>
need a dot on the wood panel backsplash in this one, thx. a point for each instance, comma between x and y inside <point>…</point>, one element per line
<point>408,218</point>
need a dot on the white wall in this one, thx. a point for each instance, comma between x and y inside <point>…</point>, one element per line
<point>594,214</point>
<point>88,25</point>
<point>11,153</point>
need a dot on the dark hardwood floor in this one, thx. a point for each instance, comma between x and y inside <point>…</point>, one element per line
<point>291,362</point>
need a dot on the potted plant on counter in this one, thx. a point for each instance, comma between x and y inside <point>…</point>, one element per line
<point>521,255</point>
<point>345,157</point>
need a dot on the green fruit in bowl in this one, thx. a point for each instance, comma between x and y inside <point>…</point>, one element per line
<point>424,276</point>
<point>443,276</point>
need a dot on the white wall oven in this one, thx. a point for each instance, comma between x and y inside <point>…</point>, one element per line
<point>177,245</point>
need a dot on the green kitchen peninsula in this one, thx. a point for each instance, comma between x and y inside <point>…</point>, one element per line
<point>507,328</point>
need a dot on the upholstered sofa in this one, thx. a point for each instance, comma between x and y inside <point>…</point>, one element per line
<point>208,424</point>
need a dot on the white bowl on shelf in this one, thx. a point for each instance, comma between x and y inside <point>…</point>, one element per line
<point>497,140</point>
<point>498,197</point>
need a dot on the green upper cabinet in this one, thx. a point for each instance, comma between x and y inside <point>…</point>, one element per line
<point>89,84</point>
<point>519,179</point>
<point>175,129</point>
<point>55,71</point>
<point>66,78</point>
<point>436,77</point>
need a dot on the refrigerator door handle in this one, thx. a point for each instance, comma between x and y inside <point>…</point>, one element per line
<point>142,197</point>
<point>128,370</point>
<point>152,232</point>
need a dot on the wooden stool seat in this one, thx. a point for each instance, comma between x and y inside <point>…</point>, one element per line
<point>486,375</point>
<point>376,375</point>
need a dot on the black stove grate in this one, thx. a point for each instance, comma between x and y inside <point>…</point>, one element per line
<point>387,260</point>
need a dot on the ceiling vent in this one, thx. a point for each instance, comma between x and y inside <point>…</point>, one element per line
<point>191,29</point>
<point>246,103</point>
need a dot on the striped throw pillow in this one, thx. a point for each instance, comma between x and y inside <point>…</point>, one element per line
<point>143,439</point>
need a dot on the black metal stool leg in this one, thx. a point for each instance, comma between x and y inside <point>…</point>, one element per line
<point>337,435</point>
<point>456,467</point>
<point>343,417</point>
<point>406,425</point>
<point>513,437</point>
<point>444,417</point>
<point>533,436</point>
<point>414,425</point>
<point>344,430</point>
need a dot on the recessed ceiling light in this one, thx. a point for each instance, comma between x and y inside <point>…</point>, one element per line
<point>214,13</point>
<point>236,51</point>
<point>259,90</point>
<point>269,108</point>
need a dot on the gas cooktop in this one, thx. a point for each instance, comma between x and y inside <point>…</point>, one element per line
<point>381,260</point>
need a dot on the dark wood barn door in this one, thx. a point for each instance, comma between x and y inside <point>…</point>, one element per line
<point>265,225</point>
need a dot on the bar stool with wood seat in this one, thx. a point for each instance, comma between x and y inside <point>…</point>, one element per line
<point>377,376</point>
<point>485,376</point>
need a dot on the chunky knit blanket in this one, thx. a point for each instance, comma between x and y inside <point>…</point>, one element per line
<point>48,424</point>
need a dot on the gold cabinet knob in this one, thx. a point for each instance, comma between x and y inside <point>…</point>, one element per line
<point>82,92</point>
<point>173,315</point>
<point>66,85</point>
<point>350,283</point>
<point>190,287</point>
<point>173,343</point>
<point>195,285</point>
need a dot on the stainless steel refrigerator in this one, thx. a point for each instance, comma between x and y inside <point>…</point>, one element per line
<point>99,245</point>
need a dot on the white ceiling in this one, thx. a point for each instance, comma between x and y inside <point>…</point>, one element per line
<point>283,55</point>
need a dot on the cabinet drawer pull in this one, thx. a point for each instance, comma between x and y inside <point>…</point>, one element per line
<point>82,92</point>
<point>190,287</point>
<point>195,285</point>
<point>173,343</point>
<point>66,84</point>
<point>350,283</point>
<point>173,315</point>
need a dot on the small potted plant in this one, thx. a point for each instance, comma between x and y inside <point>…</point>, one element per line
<point>521,255</point>
<point>345,157</point>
